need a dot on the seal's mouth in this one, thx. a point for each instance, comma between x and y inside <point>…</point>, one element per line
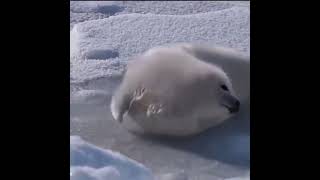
<point>233,109</point>
<point>231,103</point>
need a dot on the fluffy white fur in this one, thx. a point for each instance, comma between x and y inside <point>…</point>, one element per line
<point>176,89</point>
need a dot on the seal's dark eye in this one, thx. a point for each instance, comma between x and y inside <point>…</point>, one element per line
<point>224,87</point>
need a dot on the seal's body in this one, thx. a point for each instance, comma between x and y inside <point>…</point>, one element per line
<point>170,91</point>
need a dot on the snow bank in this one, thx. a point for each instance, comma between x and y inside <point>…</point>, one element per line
<point>116,39</point>
<point>88,162</point>
<point>83,11</point>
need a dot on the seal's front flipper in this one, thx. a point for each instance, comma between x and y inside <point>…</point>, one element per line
<point>119,105</point>
<point>122,102</point>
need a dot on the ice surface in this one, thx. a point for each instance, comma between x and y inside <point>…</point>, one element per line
<point>88,162</point>
<point>105,36</point>
<point>222,152</point>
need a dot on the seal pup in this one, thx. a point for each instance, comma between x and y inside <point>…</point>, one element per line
<point>173,91</point>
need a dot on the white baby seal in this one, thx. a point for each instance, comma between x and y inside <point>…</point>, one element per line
<point>173,91</point>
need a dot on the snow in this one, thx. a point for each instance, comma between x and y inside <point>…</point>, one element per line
<point>84,11</point>
<point>104,37</point>
<point>88,162</point>
<point>88,10</point>
<point>118,38</point>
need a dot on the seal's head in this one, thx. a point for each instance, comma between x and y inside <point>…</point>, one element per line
<point>216,95</point>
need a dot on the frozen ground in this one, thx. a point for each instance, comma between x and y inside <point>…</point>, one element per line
<point>105,35</point>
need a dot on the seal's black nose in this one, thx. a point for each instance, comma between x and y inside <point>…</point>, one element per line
<point>235,108</point>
